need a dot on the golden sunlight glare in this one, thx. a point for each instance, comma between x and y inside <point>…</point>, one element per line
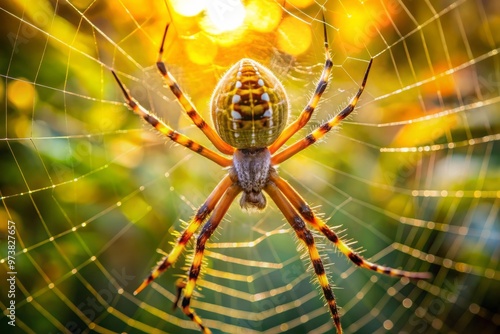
<point>188,7</point>
<point>225,15</point>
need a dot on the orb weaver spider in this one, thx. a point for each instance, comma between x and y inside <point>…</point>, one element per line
<point>249,109</point>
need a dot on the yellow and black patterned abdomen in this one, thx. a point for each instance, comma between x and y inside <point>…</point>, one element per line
<point>249,106</point>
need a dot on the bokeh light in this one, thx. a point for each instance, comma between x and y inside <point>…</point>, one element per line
<point>263,15</point>
<point>188,7</point>
<point>21,94</point>
<point>211,29</point>
<point>201,50</point>
<point>359,23</point>
<point>225,14</point>
<point>218,16</point>
<point>294,36</point>
<point>300,3</point>
<point>94,190</point>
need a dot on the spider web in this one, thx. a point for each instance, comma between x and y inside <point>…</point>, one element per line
<point>95,195</point>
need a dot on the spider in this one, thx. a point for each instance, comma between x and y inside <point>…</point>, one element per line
<point>249,108</point>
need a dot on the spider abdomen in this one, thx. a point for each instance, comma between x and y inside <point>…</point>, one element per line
<point>249,106</point>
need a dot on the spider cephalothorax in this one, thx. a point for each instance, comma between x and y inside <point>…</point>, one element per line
<point>252,168</point>
<point>249,110</point>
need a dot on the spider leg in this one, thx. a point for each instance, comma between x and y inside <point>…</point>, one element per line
<point>307,213</point>
<point>322,129</point>
<point>188,106</point>
<point>200,216</point>
<point>306,236</point>
<point>307,112</point>
<point>180,284</point>
<point>204,235</point>
<point>175,136</point>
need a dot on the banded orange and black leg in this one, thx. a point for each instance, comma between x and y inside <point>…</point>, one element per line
<point>207,230</point>
<point>175,136</point>
<point>188,106</point>
<point>193,226</point>
<point>303,233</point>
<point>307,213</point>
<point>307,112</point>
<point>322,129</point>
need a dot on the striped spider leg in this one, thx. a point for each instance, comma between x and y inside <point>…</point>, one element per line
<point>305,211</point>
<point>173,135</point>
<point>249,109</point>
<point>324,128</point>
<point>186,104</point>
<point>296,210</point>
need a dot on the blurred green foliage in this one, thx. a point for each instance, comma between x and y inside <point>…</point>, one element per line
<point>94,192</point>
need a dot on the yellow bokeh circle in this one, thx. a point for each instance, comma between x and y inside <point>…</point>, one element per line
<point>294,36</point>
<point>21,94</point>
<point>201,50</point>
<point>188,8</point>
<point>263,15</point>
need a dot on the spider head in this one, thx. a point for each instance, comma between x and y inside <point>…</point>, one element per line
<point>249,106</point>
